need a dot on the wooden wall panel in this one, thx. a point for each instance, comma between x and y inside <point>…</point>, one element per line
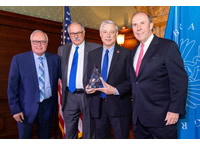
<point>15,30</point>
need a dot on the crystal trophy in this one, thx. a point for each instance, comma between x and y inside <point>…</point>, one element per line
<point>95,81</point>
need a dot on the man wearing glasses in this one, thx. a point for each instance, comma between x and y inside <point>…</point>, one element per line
<point>32,87</point>
<point>74,68</point>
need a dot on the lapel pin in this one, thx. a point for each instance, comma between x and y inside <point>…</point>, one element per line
<point>118,51</point>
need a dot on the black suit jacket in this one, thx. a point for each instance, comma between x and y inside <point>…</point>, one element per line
<point>118,77</point>
<point>161,85</point>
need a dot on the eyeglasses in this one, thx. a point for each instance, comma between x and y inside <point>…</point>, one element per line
<point>36,42</point>
<point>78,33</point>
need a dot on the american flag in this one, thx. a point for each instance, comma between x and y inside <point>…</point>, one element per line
<point>60,112</point>
<point>66,21</point>
<point>65,39</point>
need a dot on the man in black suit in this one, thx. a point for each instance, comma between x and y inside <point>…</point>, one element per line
<point>74,101</point>
<point>110,106</point>
<point>159,82</point>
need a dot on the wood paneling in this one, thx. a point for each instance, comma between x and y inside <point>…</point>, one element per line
<point>15,30</point>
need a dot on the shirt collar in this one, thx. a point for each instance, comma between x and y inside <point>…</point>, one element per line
<point>37,56</point>
<point>147,43</point>
<point>110,49</point>
<point>81,45</point>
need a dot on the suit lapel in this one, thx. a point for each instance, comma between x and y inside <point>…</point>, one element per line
<point>115,57</point>
<point>132,60</point>
<point>98,58</point>
<point>86,50</point>
<point>148,54</point>
<point>33,68</point>
<point>50,68</point>
<point>65,59</point>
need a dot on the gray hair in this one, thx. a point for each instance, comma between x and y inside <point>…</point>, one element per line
<point>35,31</point>
<point>108,22</point>
<point>83,29</point>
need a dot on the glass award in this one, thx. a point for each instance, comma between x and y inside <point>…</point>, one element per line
<point>95,81</point>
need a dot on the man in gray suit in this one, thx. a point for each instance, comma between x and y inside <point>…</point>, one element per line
<point>73,63</point>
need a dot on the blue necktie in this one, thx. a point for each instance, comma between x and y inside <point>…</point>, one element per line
<point>41,80</point>
<point>72,77</point>
<point>105,70</point>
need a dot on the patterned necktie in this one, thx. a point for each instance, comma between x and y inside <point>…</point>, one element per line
<point>41,80</point>
<point>72,77</point>
<point>105,70</point>
<point>139,59</point>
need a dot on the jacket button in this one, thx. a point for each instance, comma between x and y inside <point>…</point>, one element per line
<point>137,82</point>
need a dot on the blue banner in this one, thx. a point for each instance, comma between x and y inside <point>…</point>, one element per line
<point>183,26</point>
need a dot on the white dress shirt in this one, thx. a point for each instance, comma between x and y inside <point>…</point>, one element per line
<point>146,46</point>
<point>79,74</point>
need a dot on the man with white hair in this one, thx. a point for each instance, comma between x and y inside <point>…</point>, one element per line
<point>32,87</point>
<point>110,106</point>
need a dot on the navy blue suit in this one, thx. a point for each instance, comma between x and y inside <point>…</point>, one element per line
<point>161,86</point>
<point>24,94</point>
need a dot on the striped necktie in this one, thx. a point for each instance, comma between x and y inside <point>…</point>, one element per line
<point>105,70</point>
<point>72,78</point>
<point>41,80</point>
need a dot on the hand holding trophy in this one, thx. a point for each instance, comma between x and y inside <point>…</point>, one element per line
<point>95,81</point>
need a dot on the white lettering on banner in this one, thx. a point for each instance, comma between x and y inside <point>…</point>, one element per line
<point>180,27</point>
<point>191,27</point>
<point>197,122</point>
<point>176,33</point>
<point>190,47</point>
<point>184,125</point>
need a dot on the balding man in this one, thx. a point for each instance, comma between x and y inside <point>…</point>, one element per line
<point>159,82</point>
<point>32,87</point>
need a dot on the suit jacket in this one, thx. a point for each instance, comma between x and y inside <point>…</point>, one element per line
<point>118,77</point>
<point>161,85</point>
<point>64,52</point>
<point>23,87</point>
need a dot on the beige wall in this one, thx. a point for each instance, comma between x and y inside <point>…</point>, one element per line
<point>122,15</point>
<point>92,16</point>
<point>46,12</point>
<point>89,16</point>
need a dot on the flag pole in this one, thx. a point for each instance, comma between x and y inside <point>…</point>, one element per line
<point>63,25</point>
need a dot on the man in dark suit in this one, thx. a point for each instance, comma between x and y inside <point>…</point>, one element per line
<point>32,87</point>
<point>110,106</point>
<point>159,82</point>
<point>74,100</point>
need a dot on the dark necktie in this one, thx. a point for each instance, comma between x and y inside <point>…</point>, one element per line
<point>105,70</point>
<point>72,77</point>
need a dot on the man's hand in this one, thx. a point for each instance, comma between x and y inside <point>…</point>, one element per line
<point>19,117</point>
<point>107,89</point>
<point>171,118</point>
<point>89,91</point>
